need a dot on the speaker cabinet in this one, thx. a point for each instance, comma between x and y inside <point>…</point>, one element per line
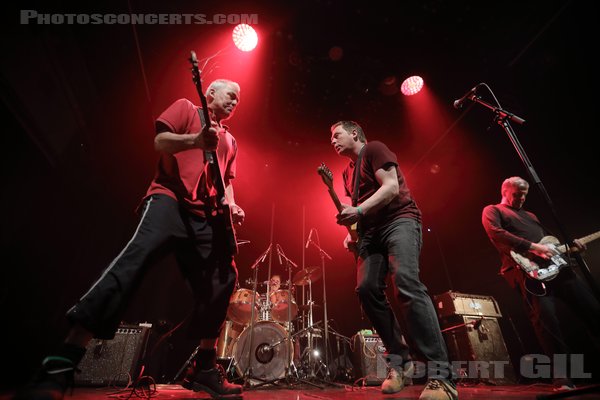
<point>116,361</point>
<point>368,359</point>
<point>476,346</point>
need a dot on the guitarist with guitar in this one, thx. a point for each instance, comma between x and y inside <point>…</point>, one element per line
<point>535,267</point>
<point>389,241</point>
<point>189,210</point>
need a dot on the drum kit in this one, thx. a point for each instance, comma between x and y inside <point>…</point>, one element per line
<point>261,339</point>
<point>275,321</point>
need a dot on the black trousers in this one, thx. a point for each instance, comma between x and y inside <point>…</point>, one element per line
<point>541,302</point>
<point>200,253</point>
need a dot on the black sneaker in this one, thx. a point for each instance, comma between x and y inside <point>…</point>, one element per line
<point>51,381</point>
<point>213,382</point>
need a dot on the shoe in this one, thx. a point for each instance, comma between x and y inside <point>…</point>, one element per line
<point>213,382</point>
<point>562,384</point>
<point>398,378</point>
<point>51,382</point>
<point>439,389</point>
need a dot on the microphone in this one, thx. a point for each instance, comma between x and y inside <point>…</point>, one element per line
<point>477,324</point>
<point>458,104</point>
<point>309,237</point>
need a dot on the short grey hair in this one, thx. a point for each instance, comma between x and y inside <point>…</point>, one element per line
<point>516,182</point>
<point>219,84</point>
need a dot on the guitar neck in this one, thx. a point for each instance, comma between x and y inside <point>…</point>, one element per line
<point>335,198</point>
<point>583,240</point>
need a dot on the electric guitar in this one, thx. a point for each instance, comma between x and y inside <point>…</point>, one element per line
<point>223,211</point>
<point>543,269</point>
<point>327,177</point>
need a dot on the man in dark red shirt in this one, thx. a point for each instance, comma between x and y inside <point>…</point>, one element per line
<point>389,231</point>
<point>177,215</point>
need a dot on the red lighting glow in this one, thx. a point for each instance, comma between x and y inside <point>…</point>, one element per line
<point>411,85</point>
<point>244,37</point>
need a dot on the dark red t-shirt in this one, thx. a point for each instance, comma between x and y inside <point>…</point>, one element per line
<point>183,175</point>
<point>377,155</point>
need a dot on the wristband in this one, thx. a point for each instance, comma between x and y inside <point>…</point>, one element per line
<point>359,211</point>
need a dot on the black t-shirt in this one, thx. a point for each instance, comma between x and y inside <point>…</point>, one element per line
<point>511,229</point>
<point>377,155</point>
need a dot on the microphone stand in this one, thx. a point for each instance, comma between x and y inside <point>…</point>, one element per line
<point>247,376</point>
<point>323,254</point>
<point>503,118</point>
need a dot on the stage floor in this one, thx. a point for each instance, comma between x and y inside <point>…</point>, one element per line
<point>330,392</point>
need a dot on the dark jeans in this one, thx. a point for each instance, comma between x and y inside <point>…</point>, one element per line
<point>566,287</point>
<point>396,249</point>
<point>198,246</point>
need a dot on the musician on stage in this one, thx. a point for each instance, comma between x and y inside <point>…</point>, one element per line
<point>510,227</point>
<point>176,216</point>
<point>390,238</point>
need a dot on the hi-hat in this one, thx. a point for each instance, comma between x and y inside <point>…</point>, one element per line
<point>309,274</point>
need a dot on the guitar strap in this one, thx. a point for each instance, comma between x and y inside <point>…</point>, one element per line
<point>357,176</point>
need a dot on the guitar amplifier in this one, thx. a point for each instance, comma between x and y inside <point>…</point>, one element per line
<point>477,347</point>
<point>454,303</point>
<point>116,361</point>
<point>368,358</point>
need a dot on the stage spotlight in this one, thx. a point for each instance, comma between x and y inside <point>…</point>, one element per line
<point>411,85</point>
<point>245,37</point>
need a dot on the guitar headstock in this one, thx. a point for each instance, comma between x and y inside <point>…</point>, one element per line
<point>198,82</point>
<point>195,71</point>
<point>326,175</point>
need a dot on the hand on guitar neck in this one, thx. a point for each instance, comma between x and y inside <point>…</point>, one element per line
<point>208,138</point>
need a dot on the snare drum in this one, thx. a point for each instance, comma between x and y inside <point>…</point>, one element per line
<point>280,305</point>
<point>240,306</point>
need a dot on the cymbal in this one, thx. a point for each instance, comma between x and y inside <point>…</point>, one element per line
<point>307,274</point>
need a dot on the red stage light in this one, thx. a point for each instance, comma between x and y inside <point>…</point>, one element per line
<point>245,37</point>
<point>411,85</point>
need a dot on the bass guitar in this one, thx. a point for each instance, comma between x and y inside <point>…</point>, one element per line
<point>543,269</point>
<point>327,177</point>
<point>223,211</point>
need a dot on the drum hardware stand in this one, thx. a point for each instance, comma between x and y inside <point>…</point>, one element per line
<point>248,373</point>
<point>347,366</point>
<point>309,330</point>
<point>323,254</point>
<point>288,339</point>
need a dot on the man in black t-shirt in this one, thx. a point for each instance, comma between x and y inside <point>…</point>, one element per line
<point>389,231</point>
<point>511,228</point>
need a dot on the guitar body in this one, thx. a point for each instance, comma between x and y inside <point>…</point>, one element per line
<point>542,269</point>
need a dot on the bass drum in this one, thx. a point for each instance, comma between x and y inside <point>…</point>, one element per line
<point>270,355</point>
